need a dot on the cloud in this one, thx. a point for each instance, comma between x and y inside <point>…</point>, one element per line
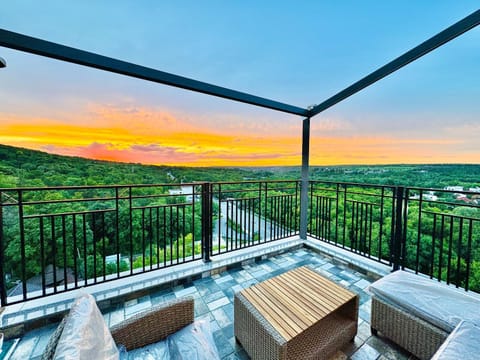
<point>328,125</point>
<point>466,130</point>
<point>128,133</point>
<point>388,150</point>
<point>152,154</point>
<point>157,154</point>
<point>146,148</point>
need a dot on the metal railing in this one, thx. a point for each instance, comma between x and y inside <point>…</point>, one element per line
<point>430,231</point>
<point>441,235</point>
<point>57,239</point>
<point>253,212</point>
<point>356,217</point>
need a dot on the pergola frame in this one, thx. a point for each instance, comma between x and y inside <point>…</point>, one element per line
<point>49,49</point>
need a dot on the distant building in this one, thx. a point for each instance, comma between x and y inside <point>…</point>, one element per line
<point>453,188</point>
<point>475,189</point>
<point>463,198</point>
<point>430,196</point>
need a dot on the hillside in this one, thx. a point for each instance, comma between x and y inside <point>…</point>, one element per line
<point>23,167</point>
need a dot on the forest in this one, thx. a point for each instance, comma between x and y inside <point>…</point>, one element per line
<point>124,217</point>
<point>22,167</point>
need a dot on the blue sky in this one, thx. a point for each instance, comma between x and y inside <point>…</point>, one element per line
<point>297,52</point>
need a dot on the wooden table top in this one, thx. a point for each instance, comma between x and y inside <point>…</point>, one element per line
<point>294,301</point>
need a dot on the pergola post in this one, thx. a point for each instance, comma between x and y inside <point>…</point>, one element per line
<point>305,178</point>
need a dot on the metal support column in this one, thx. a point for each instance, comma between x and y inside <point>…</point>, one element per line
<point>206,221</point>
<point>3,286</point>
<point>305,179</point>
<point>398,236</point>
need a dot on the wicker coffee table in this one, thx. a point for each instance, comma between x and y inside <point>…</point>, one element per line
<point>296,315</point>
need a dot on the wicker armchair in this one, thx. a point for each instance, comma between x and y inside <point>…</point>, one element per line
<point>415,335</point>
<point>144,328</point>
<point>153,325</point>
<point>420,314</point>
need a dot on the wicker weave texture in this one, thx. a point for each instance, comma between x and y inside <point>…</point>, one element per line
<point>410,332</point>
<point>263,342</point>
<point>154,324</point>
<point>259,339</point>
<point>322,340</point>
<point>49,351</point>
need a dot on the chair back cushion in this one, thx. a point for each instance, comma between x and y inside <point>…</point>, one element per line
<point>437,303</point>
<point>462,343</point>
<point>85,334</point>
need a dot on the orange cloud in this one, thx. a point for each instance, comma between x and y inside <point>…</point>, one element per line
<point>387,150</point>
<point>156,136</point>
<point>147,136</point>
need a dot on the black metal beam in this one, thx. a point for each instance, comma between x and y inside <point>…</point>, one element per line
<point>49,49</point>
<point>305,178</point>
<point>431,44</point>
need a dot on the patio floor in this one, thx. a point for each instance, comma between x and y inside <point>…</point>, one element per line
<point>214,300</point>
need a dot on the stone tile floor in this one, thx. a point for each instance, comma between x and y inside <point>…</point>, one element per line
<point>214,300</point>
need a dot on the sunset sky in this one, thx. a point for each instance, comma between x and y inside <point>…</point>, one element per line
<point>296,52</point>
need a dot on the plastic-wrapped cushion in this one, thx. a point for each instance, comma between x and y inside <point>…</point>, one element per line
<point>435,302</point>
<point>85,334</point>
<point>193,342</point>
<point>462,343</point>
<point>156,351</point>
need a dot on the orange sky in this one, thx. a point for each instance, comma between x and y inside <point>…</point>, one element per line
<point>427,112</point>
<point>152,136</point>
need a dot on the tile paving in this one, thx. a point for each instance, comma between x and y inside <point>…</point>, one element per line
<point>214,301</point>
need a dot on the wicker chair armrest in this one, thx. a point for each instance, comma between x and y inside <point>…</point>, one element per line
<point>155,324</point>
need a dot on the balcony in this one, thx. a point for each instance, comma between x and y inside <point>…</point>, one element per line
<point>214,300</point>
<point>136,245</point>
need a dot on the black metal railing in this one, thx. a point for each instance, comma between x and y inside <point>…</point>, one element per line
<point>252,213</point>
<point>441,235</point>
<point>58,239</point>
<point>356,217</point>
<point>61,238</point>
<point>431,231</point>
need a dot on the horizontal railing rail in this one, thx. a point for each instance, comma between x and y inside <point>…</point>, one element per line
<point>435,232</point>
<point>442,235</point>
<point>354,217</point>
<point>57,239</point>
<point>251,213</point>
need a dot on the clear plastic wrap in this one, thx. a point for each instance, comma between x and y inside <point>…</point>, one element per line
<point>85,335</point>
<point>463,343</point>
<point>156,351</point>
<point>193,342</point>
<point>439,304</point>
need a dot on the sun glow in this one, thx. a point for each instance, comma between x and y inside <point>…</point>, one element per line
<point>152,136</point>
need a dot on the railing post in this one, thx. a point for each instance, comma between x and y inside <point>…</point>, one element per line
<point>3,285</point>
<point>305,179</point>
<point>206,221</point>
<point>396,251</point>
